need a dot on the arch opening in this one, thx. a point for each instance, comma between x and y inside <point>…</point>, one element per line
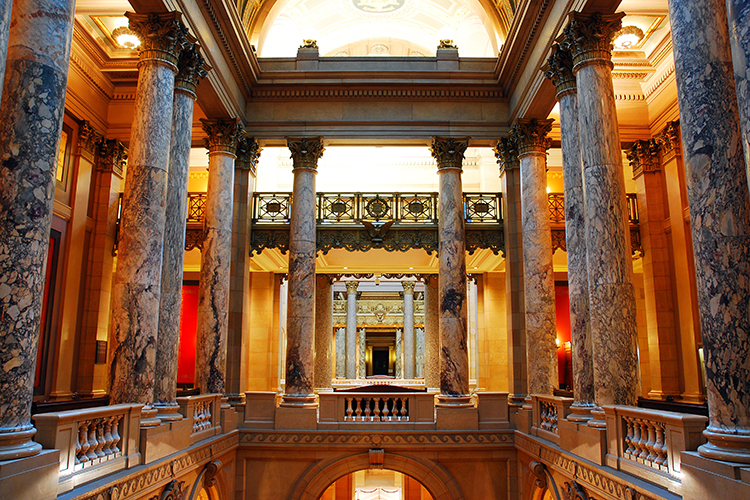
<point>376,484</point>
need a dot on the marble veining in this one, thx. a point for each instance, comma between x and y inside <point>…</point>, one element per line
<point>419,356</point>
<point>31,115</point>
<point>323,329</point>
<point>454,355</point>
<point>720,219</point>
<point>341,353</point>
<point>399,353</point>
<point>431,333</point>
<point>738,14</point>
<point>409,336</point>
<point>361,351</point>
<point>351,329</point>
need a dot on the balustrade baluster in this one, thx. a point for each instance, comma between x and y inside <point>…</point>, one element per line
<point>377,409</point>
<point>116,434</point>
<point>107,437</point>
<point>404,414</point>
<point>367,408</point>
<point>661,446</point>
<point>385,408</point>
<point>349,410</point>
<point>643,455</point>
<point>651,442</point>
<point>358,410</point>
<point>628,438</point>
<point>99,436</point>
<point>78,446</point>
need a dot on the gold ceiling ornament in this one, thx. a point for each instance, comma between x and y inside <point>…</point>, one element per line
<point>628,38</point>
<point>125,38</point>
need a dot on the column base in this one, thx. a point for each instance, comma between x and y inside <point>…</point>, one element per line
<point>580,412</point>
<point>726,447</point>
<point>167,412</point>
<point>598,418</point>
<point>446,400</point>
<point>298,401</point>
<point>298,417</point>
<point>225,403</point>
<point>31,477</point>
<point>148,417</point>
<point>18,444</point>
<point>236,399</point>
<point>455,417</point>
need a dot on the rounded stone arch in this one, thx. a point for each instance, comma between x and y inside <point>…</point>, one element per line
<point>430,474</point>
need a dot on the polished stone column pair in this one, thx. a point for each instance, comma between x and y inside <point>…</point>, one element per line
<point>323,331</point>
<point>612,308</point>
<point>351,329</point>
<point>302,252</point>
<point>539,280</point>
<point>191,69</point>
<point>431,333</point>
<point>222,141</point>
<point>31,118</point>
<point>454,355</point>
<point>410,347</point>
<point>506,153</point>
<point>719,209</point>
<point>136,289</point>
<point>560,70</point>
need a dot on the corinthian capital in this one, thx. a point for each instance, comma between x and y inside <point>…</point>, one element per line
<point>506,153</point>
<point>559,69</point>
<point>351,286</point>
<point>163,36</point>
<point>191,69</point>
<point>408,286</point>
<point>222,135</point>
<point>112,156</point>
<point>449,151</point>
<point>248,154</point>
<point>644,157</point>
<point>306,151</point>
<point>590,36</point>
<point>531,135</point>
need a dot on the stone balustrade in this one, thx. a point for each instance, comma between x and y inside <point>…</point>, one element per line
<point>546,413</point>
<point>648,442</point>
<point>93,443</point>
<point>204,411</point>
<point>343,410</point>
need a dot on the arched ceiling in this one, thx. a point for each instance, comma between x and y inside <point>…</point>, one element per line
<point>376,27</point>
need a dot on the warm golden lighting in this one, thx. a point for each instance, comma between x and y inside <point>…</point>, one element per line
<point>126,38</point>
<point>628,37</point>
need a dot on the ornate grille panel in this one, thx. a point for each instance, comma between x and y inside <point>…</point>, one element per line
<point>271,207</point>
<point>482,208</point>
<point>196,207</point>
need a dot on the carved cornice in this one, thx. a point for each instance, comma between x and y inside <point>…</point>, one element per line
<point>531,135</point>
<point>408,286</point>
<point>351,286</point>
<point>410,94</point>
<point>644,157</point>
<point>559,69</point>
<point>192,68</point>
<point>248,154</point>
<point>449,151</point>
<point>506,153</point>
<point>88,140</point>
<point>163,36</point>
<point>589,37</point>
<point>660,80</point>
<point>112,155</point>
<point>305,151</point>
<point>222,136</point>
<point>431,438</point>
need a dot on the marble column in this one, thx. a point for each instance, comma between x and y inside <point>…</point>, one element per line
<point>539,291</point>
<point>222,137</point>
<point>362,348</point>
<point>300,325</point>
<point>192,69</point>
<point>431,333</point>
<point>351,329</point>
<point>341,353</point>
<point>31,118</point>
<point>323,332</point>
<point>137,282</point>
<point>6,6</point>
<point>454,355</point>
<point>399,354</point>
<point>611,293</point>
<point>248,154</point>
<point>419,356</point>
<point>560,70</point>
<point>409,338</point>
<point>720,219</point>
<point>506,152</point>
<point>738,14</point>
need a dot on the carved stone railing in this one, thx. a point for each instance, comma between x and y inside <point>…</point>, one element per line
<point>345,410</point>
<point>547,411</point>
<point>204,411</point>
<point>93,442</point>
<point>648,443</point>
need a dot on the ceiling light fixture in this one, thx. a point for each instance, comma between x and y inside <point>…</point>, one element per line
<point>628,37</point>
<point>126,38</point>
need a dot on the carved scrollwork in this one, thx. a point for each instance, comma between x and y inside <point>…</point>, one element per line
<point>393,240</point>
<point>539,471</point>
<point>261,239</point>
<point>574,491</point>
<point>222,135</point>
<point>558,240</point>
<point>644,157</point>
<point>493,239</point>
<point>194,239</point>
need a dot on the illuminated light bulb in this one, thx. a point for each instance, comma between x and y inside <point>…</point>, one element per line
<point>126,38</point>
<point>628,37</point>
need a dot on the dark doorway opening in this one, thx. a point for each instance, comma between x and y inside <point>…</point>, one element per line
<point>380,361</point>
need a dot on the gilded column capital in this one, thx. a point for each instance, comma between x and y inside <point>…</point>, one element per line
<point>644,157</point>
<point>112,155</point>
<point>559,69</point>
<point>669,137</point>
<point>248,154</point>
<point>191,69</point>
<point>222,135</point>
<point>88,141</point>
<point>449,151</point>
<point>163,36</point>
<point>351,286</point>
<point>408,286</point>
<point>506,153</point>
<point>531,135</point>
<point>305,151</point>
<point>589,37</point>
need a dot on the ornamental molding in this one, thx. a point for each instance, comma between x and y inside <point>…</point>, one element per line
<point>594,480</point>
<point>88,140</point>
<point>93,75</point>
<point>392,240</point>
<point>431,438</point>
<point>530,40</point>
<point>112,156</point>
<point>660,80</point>
<point>559,69</point>
<point>307,94</point>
